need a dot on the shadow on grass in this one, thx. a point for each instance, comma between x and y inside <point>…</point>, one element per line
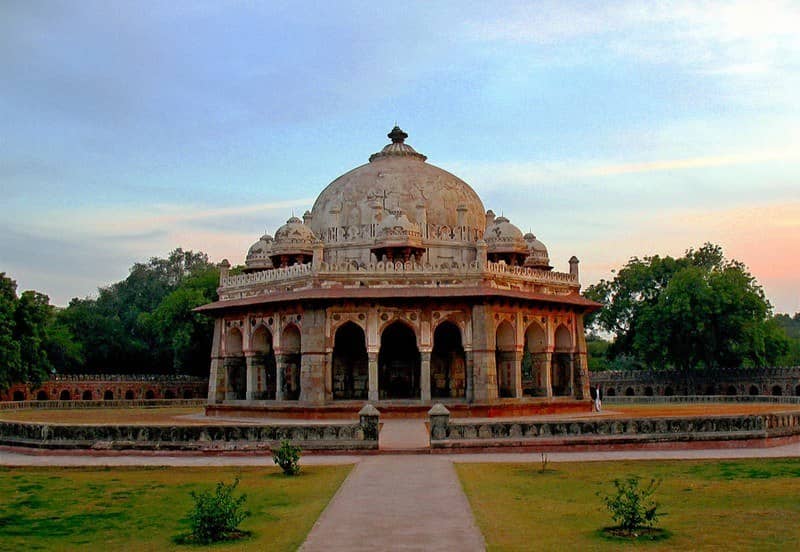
<point>644,534</point>
<point>187,539</point>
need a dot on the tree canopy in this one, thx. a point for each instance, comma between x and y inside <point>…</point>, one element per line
<point>144,324</point>
<point>699,310</point>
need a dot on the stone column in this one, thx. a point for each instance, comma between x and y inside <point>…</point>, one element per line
<point>372,358</point>
<point>548,374</point>
<point>312,357</point>
<point>280,369</point>
<point>251,381</point>
<point>516,374</point>
<point>216,390</point>
<point>468,368</point>
<point>571,385</point>
<point>483,354</point>
<point>425,375</point>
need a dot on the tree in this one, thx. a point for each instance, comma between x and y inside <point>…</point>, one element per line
<point>10,364</point>
<point>700,310</point>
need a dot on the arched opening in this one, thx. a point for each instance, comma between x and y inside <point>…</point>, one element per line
<point>264,364</point>
<point>235,367</point>
<point>129,395</point>
<point>534,360</point>
<point>777,391</point>
<point>149,395</point>
<point>505,359</point>
<point>188,394</point>
<point>731,390</point>
<point>561,371</point>
<point>19,396</point>
<point>350,363</point>
<point>290,344</point>
<point>169,394</point>
<point>611,392</point>
<point>64,395</point>
<point>753,390</point>
<point>668,391</point>
<point>448,363</point>
<point>797,390</point>
<point>648,391</point>
<point>108,395</point>
<point>41,395</point>
<point>629,392</point>
<point>87,395</point>
<point>711,389</point>
<point>398,363</point>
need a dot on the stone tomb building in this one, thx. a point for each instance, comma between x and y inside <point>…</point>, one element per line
<point>398,285</point>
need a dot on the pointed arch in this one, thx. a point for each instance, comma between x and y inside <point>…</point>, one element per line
<point>263,362</point>
<point>290,347</point>
<point>505,359</point>
<point>561,375</point>
<point>350,365</point>
<point>534,361</point>
<point>448,362</point>
<point>235,368</point>
<point>398,362</point>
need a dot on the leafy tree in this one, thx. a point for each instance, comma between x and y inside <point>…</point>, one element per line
<point>700,310</point>
<point>10,359</point>
<point>791,326</point>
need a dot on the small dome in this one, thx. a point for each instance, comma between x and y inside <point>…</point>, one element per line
<point>537,253</point>
<point>258,254</point>
<point>395,230</point>
<point>293,238</point>
<point>503,237</point>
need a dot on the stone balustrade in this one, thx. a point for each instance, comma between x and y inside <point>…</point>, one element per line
<point>360,435</point>
<point>447,434</point>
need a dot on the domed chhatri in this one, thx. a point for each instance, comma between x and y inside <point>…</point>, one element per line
<point>398,284</point>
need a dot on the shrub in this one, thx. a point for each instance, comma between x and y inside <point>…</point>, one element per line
<point>287,457</point>
<point>631,506</point>
<point>217,515</point>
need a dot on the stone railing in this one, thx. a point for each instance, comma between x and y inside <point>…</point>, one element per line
<point>660,399</point>
<point>447,434</point>
<point>384,268</point>
<point>346,436</point>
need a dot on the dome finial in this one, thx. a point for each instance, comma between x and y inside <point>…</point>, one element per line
<point>397,135</point>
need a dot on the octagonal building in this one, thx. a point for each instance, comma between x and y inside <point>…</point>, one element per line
<point>399,286</point>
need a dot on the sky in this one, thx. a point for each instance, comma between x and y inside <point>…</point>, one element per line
<point>609,130</point>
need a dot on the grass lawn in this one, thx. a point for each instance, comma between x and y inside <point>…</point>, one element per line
<point>711,505</point>
<point>145,508</point>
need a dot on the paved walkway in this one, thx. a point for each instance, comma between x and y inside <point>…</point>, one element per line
<point>404,434</point>
<point>398,503</point>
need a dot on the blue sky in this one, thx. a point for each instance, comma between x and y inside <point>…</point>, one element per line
<point>608,129</point>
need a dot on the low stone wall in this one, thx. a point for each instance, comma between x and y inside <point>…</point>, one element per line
<point>92,387</point>
<point>695,399</point>
<point>76,405</point>
<point>446,434</point>
<point>361,435</point>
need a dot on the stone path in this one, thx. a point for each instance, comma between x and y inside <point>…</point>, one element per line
<point>398,503</point>
<point>403,435</point>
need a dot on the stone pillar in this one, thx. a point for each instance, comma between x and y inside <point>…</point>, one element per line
<point>548,373</point>
<point>516,374</point>
<point>571,385</point>
<point>216,388</point>
<point>369,420</point>
<point>312,357</point>
<point>582,367</point>
<point>280,369</point>
<point>425,375</point>
<point>469,364</point>
<point>439,418</point>
<point>483,354</point>
<point>372,366</point>
<point>251,381</point>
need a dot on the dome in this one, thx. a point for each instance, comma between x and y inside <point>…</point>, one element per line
<point>293,238</point>
<point>258,254</point>
<point>537,253</point>
<point>395,230</point>
<point>503,237</point>
<point>395,178</point>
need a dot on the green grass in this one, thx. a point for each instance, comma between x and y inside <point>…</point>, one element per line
<point>145,508</point>
<point>710,505</point>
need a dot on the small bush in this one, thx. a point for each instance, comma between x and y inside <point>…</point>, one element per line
<point>287,457</point>
<point>216,516</point>
<point>631,506</point>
